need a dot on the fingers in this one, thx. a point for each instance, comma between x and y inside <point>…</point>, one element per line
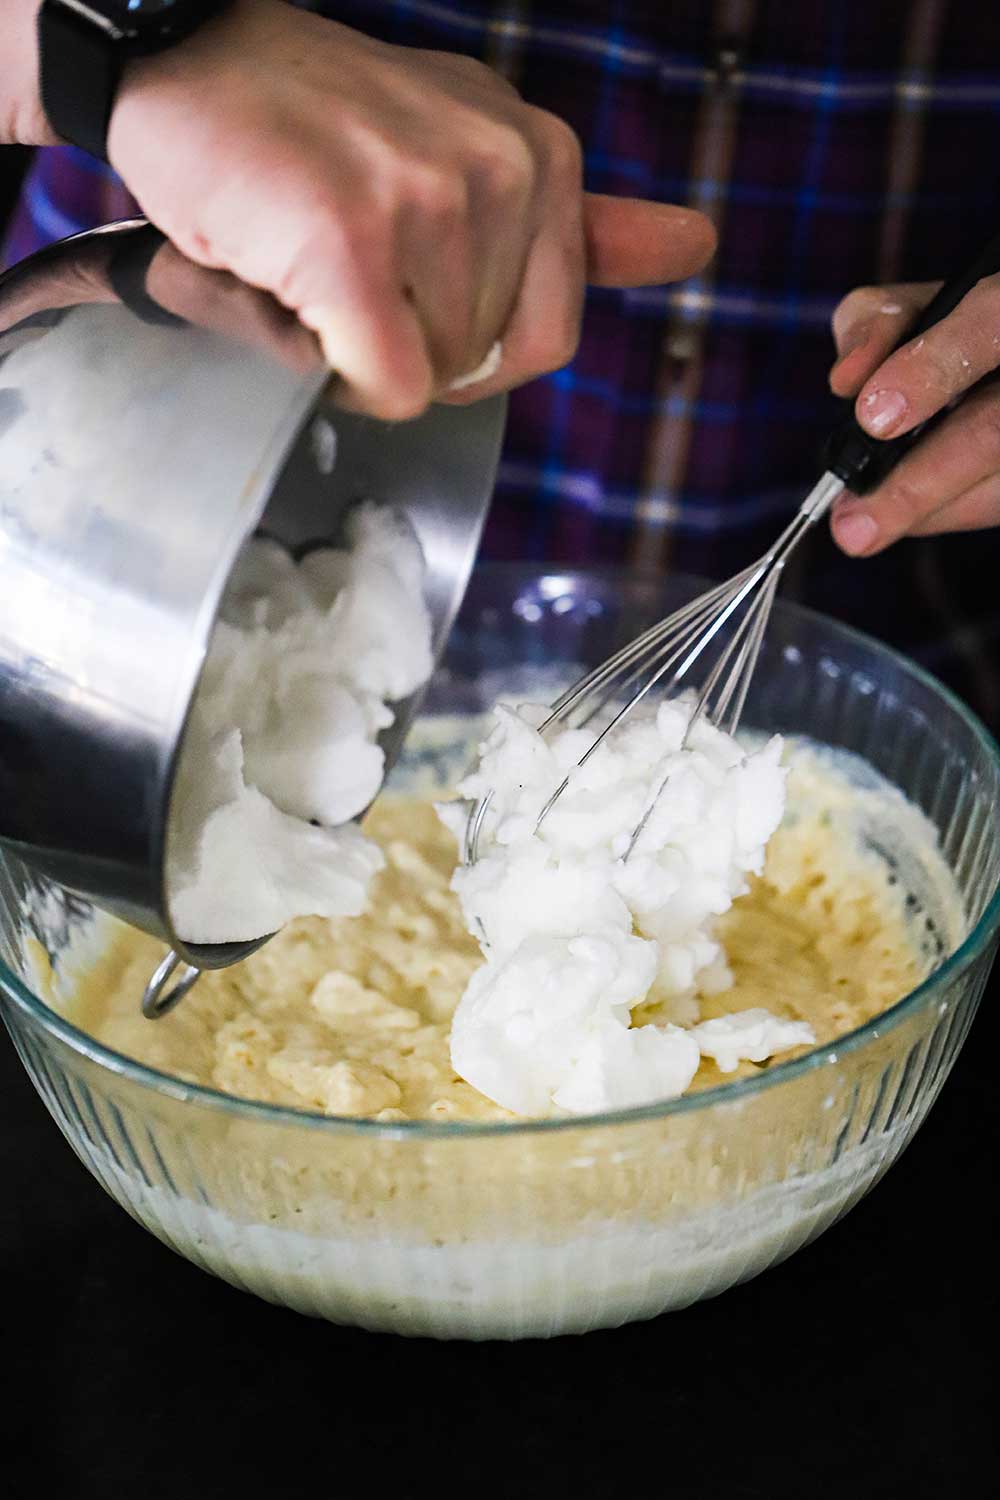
<point>929,372</point>
<point>219,302</point>
<point>633,242</point>
<point>947,469</point>
<point>341,278</point>
<point>626,242</point>
<point>441,256</point>
<point>459,251</point>
<point>544,328</point>
<point>951,480</point>
<point>867,325</point>
<point>375,346</point>
<point>976,509</point>
<point>409,208</point>
<point>317,243</point>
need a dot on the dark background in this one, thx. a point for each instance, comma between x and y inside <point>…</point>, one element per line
<point>13,163</point>
<point>861,1368</point>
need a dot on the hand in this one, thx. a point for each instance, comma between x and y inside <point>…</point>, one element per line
<point>213,300</point>
<point>221,303</point>
<point>407,206</point>
<point>951,480</point>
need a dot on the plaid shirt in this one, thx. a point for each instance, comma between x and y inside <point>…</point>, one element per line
<point>834,142</point>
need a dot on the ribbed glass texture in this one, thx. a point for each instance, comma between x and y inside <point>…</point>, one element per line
<point>498,1231</point>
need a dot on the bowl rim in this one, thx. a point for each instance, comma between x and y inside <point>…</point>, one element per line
<point>972,947</point>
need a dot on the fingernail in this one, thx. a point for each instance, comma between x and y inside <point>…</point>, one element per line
<point>854,530</point>
<point>881,411</point>
<point>853,339</point>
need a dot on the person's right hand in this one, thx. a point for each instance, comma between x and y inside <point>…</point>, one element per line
<point>408,206</point>
<point>951,480</point>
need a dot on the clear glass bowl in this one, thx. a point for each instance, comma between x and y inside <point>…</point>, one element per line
<point>509,1231</point>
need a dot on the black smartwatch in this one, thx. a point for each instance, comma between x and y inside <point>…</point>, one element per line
<point>83,46</point>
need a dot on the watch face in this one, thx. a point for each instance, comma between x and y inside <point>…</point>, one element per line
<point>139,15</point>
<point>132,9</point>
<point>151,19</point>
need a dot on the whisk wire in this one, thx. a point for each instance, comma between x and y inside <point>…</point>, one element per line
<point>692,616</point>
<point>693,628</point>
<point>731,648</point>
<point>745,675</point>
<point>636,650</point>
<point>744,643</point>
<point>675,645</point>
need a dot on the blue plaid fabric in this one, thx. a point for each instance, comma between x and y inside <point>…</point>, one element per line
<point>835,142</point>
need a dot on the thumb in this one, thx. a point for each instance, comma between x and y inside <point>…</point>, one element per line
<point>867,325</point>
<point>634,242</point>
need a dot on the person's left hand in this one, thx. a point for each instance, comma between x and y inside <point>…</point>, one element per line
<point>950,481</point>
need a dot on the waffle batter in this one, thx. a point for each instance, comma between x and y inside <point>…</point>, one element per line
<point>352,1016</point>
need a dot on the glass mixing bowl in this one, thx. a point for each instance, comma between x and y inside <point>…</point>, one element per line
<point>557,1226</point>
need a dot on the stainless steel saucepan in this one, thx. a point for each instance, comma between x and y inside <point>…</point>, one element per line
<point>153,415</point>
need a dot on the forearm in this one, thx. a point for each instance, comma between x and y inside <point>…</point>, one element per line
<point>22,119</point>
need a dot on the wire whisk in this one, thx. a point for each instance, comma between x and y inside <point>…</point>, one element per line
<point>665,655</point>
<point>732,618</point>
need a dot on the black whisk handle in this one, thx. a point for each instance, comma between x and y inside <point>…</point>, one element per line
<point>861,461</point>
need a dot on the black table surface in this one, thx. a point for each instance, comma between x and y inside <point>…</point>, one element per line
<point>862,1367</point>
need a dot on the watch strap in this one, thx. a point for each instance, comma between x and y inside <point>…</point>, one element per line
<point>128,269</point>
<point>79,72</point>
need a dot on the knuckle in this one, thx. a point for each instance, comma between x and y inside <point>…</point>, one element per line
<point>459,62</point>
<point>326,244</point>
<point>563,148</point>
<point>403,406</point>
<point>289,286</point>
<point>985,427</point>
<point>197,244</point>
<point>506,164</point>
<point>552,344</point>
<point>318,242</point>
<point>399,401</point>
<point>450,352</point>
<point>327,226</point>
<point>479,73</point>
<point>907,500</point>
<point>566,344</point>
<point>984,296</point>
<point>943,366</point>
<point>439,190</point>
<point>860,302</point>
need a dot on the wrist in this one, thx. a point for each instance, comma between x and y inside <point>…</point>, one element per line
<point>80,51</point>
<point>22,118</point>
<point>146,80</point>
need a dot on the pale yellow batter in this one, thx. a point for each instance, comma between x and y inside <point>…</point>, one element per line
<point>352,1016</point>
